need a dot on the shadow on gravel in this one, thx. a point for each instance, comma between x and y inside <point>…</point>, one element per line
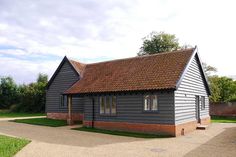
<point>223,144</point>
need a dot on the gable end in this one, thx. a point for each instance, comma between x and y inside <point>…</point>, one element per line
<point>65,59</point>
<point>195,53</point>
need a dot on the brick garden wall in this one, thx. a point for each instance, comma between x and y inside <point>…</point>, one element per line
<point>223,109</point>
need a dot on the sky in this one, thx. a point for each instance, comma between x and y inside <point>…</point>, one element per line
<point>36,35</point>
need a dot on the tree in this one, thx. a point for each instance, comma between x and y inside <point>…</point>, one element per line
<point>8,92</point>
<point>223,89</point>
<point>33,96</point>
<point>214,87</point>
<point>42,78</point>
<point>158,42</point>
<point>208,69</point>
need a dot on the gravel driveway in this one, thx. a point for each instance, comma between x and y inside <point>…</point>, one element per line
<point>217,140</point>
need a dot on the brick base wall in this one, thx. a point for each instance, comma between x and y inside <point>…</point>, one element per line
<point>206,121</point>
<point>173,130</point>
<point>185,128</point>
<point>133,127</point>
<point>64,116</point>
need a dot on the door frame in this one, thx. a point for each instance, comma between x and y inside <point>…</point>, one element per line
<point>197,106</point>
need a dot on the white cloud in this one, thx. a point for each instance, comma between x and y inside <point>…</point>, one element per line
<point>26,71</point>
<point>89,29</point>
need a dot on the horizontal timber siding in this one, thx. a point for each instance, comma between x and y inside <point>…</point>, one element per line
<point>64,79</point>
<point>192,84</point>
<point>130,109</point>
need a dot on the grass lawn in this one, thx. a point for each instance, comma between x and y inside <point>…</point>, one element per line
<point>7,114</point>
<point>121,133</point>
<point>43,121</point>
<point>221,119</point>
<point>9,146</point>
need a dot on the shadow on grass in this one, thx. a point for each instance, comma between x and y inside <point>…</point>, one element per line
<point>8,114</point>
<point>42,122</point>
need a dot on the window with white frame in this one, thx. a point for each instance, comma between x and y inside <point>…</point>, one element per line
<point>108,105</point>
<point>150,103</point>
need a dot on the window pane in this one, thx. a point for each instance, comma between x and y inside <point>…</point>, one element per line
<point>147,103</point>
<point>113,108</point>
<point>107,105</point>
<point>61,100</point>
<point>203,102</point>
<point>65,100</point>
<point>154,103</point>
<point>102,105</point>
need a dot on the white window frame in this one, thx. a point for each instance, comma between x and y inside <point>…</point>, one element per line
<point>108,102</point>
<point>149,100</point>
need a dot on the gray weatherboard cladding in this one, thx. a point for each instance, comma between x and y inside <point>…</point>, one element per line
<point>130,109</point>
<point>65,78</point>
<point>191,85</point>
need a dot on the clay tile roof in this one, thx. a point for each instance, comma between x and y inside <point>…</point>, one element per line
<point>79,67</point>
<point>153,72</point>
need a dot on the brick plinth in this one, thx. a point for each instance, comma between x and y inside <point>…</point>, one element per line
<point>64,116</point>
<point>133,127</point>
<point>173,130</point>
<point>206,121</point>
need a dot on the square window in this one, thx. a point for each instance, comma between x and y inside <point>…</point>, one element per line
<point>150,103</point>
<point>108,105</point>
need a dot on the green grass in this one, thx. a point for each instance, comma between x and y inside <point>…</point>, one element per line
<point>121,133</point>
<point>9,146</point>
<point>7,114</point>
<point>222,119</point>
<point>43,122</point>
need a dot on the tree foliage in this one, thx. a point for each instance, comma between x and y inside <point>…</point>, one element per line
<point>208,69</point>
<point>8,92</point>
<point>223,89</point>
<point>23,98</point>
<point>159,42</point>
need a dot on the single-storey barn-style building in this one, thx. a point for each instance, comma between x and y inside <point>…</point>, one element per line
<point>164,93</point>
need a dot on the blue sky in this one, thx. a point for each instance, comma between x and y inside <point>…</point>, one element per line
<point>36,35</point>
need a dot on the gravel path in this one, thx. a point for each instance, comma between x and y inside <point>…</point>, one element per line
<point>218,140</point>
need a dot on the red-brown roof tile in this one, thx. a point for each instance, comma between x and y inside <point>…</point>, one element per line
<point>154,72</point>
<point>79,67</point>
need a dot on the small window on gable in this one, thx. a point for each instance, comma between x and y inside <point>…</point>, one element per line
<point>63,100</point>
<point>202,102</point>
<point>150,103</point>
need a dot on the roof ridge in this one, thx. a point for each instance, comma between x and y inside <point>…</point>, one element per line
<point>73,60</point>
<point>145,56</point>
